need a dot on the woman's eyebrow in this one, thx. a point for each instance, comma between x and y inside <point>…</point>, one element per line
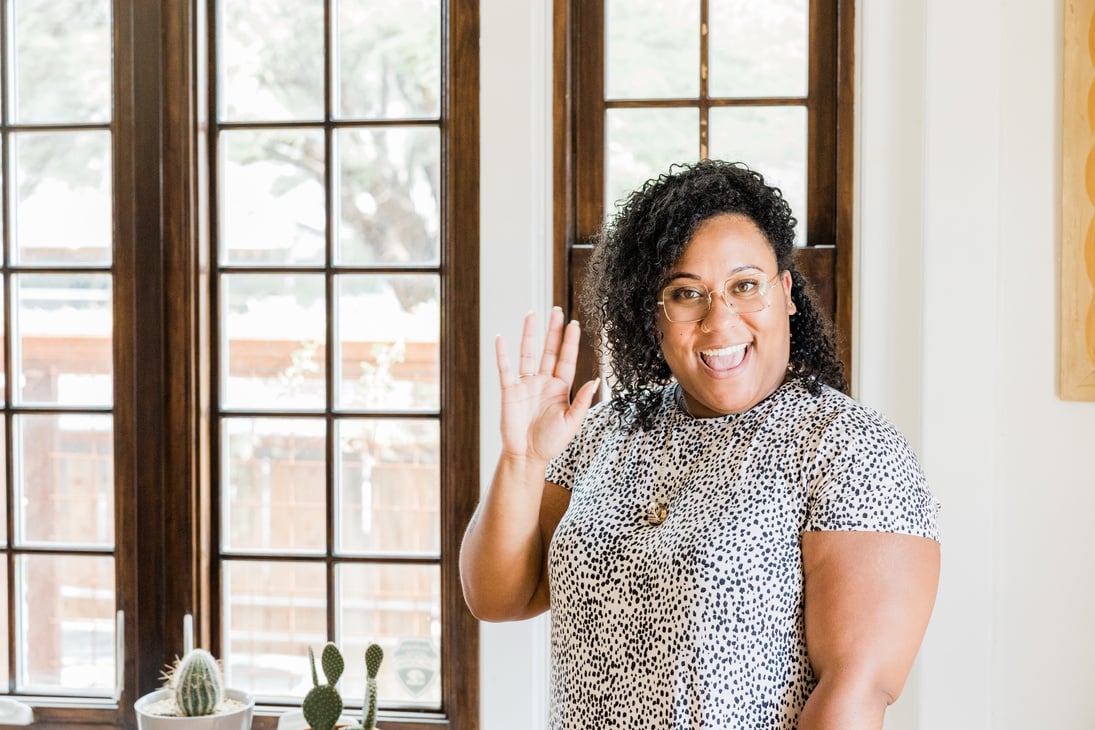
<point>736,270</point>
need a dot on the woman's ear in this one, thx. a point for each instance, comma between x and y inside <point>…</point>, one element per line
<point>785,279</point>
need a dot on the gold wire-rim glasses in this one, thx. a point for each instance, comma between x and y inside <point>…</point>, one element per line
<point>760,297</point>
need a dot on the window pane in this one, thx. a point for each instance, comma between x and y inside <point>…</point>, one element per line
<point>389,59</point>
<point>389,487</point>
<point>270,62</point>
<point>66,623</point>
<point>771,140</point>
<point>642,143</point>
<point>273,204</point>
<point>390,195</point>
<point>273,338</point>
<point>759,49</point>
<point>398,607</point>
<point>274,494</point>
<point>388,335</point>
<point>64,479</point>
<point>273,611</point>
<point>652,49</point>
<point>62,332</point>
<point>54,172</point>
<point>61,61</point>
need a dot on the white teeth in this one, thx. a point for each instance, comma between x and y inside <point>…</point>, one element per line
<point>724,351</point>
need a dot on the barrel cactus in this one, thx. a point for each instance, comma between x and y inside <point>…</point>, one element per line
<point>198,684</point>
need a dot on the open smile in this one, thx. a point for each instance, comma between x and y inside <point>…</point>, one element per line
<point>724,359</point>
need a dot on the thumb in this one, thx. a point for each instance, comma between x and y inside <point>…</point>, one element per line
<point>582,400</point>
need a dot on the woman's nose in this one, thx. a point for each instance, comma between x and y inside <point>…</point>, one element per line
<point>721,314</point>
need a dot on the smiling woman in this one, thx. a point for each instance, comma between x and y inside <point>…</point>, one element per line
<point>704,537</point>
<point>734,358</point>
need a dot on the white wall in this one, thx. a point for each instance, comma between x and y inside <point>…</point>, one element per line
<point>958,210</point>
<point>515,261</point>
<point>956,258</point>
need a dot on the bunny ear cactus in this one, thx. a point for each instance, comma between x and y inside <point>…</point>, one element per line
<point>198,684</point>
<point>373,656</point>
<point>323,704</point>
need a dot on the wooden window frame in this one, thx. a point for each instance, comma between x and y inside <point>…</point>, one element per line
<point>578,118</point>
<point>161,347</point>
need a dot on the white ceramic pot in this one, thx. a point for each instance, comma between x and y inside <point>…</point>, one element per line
<point>294,720</point>
<point>235,720</point>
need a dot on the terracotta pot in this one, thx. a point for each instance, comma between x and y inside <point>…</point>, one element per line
<point>235,720</point>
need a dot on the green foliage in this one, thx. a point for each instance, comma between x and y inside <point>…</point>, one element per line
<point>198,684</point>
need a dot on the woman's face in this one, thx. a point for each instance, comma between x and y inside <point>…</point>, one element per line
<point>728,362</point>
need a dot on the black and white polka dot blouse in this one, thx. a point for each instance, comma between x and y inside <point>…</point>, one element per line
<point>676,572</point>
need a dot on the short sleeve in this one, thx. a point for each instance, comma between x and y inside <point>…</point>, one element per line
<point>562,469</point>
<point>867,478</point>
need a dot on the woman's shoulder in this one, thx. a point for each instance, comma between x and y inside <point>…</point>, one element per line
<point>831,411</point>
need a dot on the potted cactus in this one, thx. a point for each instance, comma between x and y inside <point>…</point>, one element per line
<point>194,698</point>
<point>322,708</point>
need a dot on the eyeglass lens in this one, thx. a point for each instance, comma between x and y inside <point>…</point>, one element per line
<point>691,301</point>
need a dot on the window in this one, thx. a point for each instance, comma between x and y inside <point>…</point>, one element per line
<point>334,275</point>
<point>59,530</point>
<point>240,286</point>
<point>641,84</point>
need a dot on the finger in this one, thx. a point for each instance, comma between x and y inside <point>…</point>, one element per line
<point>504,373</point>
<point>527,362</point>
<point>552,341</point>
<point>568,352</point>
<point>580,405</point>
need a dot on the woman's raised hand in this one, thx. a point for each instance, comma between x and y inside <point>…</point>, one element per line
<point>538,417</point>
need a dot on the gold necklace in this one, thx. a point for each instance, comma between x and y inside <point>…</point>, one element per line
<point>658,509</point>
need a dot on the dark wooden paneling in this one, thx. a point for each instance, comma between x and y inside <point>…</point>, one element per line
<point>845,182</point>
<point>460,371</point>
<point>587,366</point>
<point>818,265</point>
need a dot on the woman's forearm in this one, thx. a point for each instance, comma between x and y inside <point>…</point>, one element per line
<point>501,558</point>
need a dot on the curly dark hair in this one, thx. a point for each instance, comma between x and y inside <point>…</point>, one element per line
<point>648,235</point>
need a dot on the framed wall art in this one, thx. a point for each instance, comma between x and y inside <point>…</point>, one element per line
<point>1077,265</point>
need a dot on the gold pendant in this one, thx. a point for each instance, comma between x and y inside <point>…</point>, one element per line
<point>657,511</point>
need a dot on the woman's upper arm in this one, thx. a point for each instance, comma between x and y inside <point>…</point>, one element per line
<point>868,599</point>
<point>553,505</point>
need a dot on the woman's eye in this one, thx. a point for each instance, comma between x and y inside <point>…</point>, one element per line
<point>744,287</point>
<point>687,294</point>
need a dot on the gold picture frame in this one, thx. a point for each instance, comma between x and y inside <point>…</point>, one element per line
<point>1077,264</point>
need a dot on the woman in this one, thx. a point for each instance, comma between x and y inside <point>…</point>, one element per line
<point>734,543</point>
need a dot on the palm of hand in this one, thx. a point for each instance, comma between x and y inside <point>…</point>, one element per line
<point>534,417</point>
<point>538,417</point>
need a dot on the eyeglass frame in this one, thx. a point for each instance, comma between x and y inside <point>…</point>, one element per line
<point>725,300</point>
